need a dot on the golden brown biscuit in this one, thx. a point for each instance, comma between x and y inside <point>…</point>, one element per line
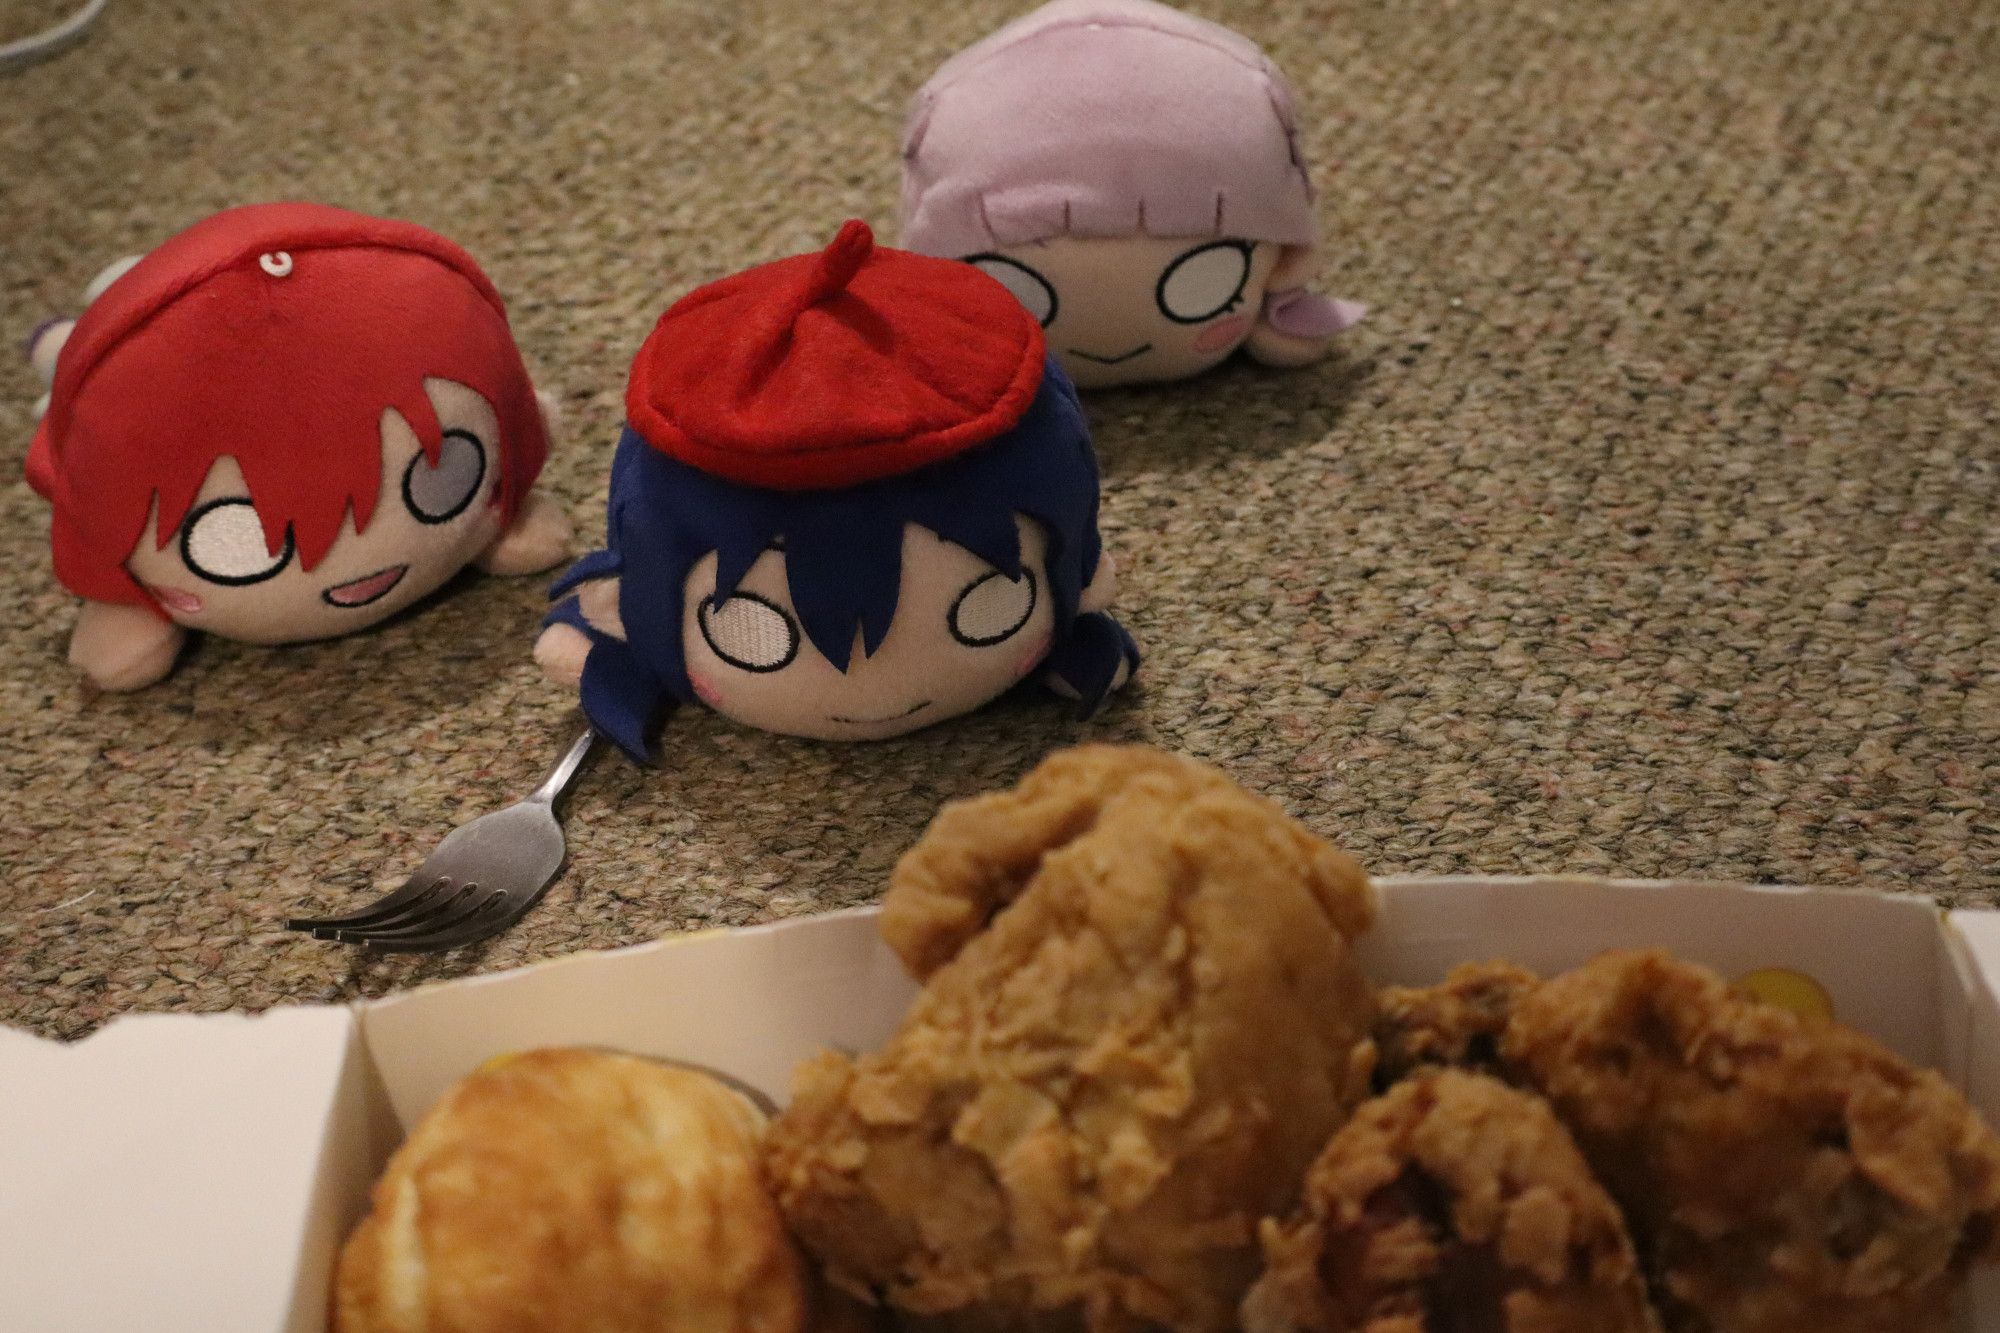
<point>1780,1174</point>
<point>1452,1202</point>
<point>1142,1020</point>
<point>576,1190</point>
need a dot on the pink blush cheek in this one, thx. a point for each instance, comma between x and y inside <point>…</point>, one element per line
<point>704,690</point>
<point>1033,657</point>
<point>1223,333</point>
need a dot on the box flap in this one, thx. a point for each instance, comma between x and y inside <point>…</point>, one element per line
<point>165,1172</point>
<point>1973,945</point>
<point>750,1003</point>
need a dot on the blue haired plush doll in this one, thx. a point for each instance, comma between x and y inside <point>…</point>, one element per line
<point>854,496</point>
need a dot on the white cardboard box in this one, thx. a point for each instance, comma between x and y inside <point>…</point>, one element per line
<point>197,1173</point>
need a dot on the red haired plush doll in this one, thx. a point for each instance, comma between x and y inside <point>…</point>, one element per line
<point>288,422</point>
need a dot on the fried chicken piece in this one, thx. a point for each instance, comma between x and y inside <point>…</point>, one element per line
<point>1779,1174</point>
<point>1452,1203</point>
<point>1142,1020</point>
<point>1456,1023</point>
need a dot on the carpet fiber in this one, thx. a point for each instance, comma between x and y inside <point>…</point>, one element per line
<point>1648,526</point>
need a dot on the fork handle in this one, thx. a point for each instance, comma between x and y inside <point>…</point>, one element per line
<point>564,773</point>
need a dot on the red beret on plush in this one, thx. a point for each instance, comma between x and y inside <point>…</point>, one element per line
<point>835,368</point>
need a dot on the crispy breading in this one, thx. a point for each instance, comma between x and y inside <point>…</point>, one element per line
<point>1453,1202</point>
<point>1780,1174</point>
<point>1456,1023</point>
<point>1142,1020</point>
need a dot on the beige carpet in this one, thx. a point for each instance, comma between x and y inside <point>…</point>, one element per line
<point>1648,526</point>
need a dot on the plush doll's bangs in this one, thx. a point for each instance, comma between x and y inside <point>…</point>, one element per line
<point>843,548</point>
<point>1103,118</point>
<point>290,376</point>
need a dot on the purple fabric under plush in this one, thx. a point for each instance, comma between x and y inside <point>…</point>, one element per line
<point>1103,118</point>
<point>1299,313</point>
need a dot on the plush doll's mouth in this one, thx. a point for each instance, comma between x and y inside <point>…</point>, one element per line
<point>363,591</point>
<point>175,599</point>
<point>1111,360</point>
<point>892,717</point>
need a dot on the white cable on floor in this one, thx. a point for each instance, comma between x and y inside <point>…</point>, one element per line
<point>47,43</point>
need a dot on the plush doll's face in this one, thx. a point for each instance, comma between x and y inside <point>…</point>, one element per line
<point>216,574</point>
<point>963,633</point>
<point>1129,309</point>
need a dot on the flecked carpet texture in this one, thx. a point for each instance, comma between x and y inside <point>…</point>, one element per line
<point>1648,525</point>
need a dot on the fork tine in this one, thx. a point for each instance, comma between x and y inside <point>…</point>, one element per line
<point>491,917</point>
<point>463,905</point>
<point>414,889</point>
<point>508,848</point>
<point>465,902</point>
<point>451,901</point>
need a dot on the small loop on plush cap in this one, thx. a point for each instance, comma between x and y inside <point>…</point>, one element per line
<point>840,261</point>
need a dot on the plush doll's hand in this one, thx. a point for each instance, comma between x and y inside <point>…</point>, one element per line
<point>539,536</point>
<point>1060,687</point>
<point>1296,325</point>
<point>1267,346</point>
<point>123,648</point>
<point>1096,659</point>
<point>1103,587</point>
<point>46,344</point>
<point>561,652</point>
<point>109,274</point>
<point>562,649</point>
<point>537,539</point>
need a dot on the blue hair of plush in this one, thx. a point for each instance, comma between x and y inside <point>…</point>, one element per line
<point>843,553</point>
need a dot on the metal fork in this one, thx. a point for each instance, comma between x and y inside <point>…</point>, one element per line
<point>481,879</point>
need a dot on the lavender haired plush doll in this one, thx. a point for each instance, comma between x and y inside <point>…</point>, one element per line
<point>1134,176</point>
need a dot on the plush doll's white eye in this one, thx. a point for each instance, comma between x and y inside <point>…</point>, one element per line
<point>992,609</point>
<point>749,633</point>
<point>1030,288</point>
<point>440,494</point>
<point>223,542</point>
<point>1204,282</point>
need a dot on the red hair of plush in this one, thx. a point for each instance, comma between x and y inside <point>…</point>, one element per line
<point>278,335</point>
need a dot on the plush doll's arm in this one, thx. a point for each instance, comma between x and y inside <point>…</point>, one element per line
<point>123,648</point>
<point>1102,589</point>
<point>1097,658</point>
<point>565,645</point>
<point>583,646</point>
<point>1296,326</point>
<point>536,540</point>
<point>45,344</point>
<point>538,537</point>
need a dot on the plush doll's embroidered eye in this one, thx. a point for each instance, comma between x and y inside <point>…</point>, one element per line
<point>223,542</point>
<point>1030,288</point>
<point>749,632</point>
<point>1205,282</point>
<point>440,494</point>
<point>992,608</point>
